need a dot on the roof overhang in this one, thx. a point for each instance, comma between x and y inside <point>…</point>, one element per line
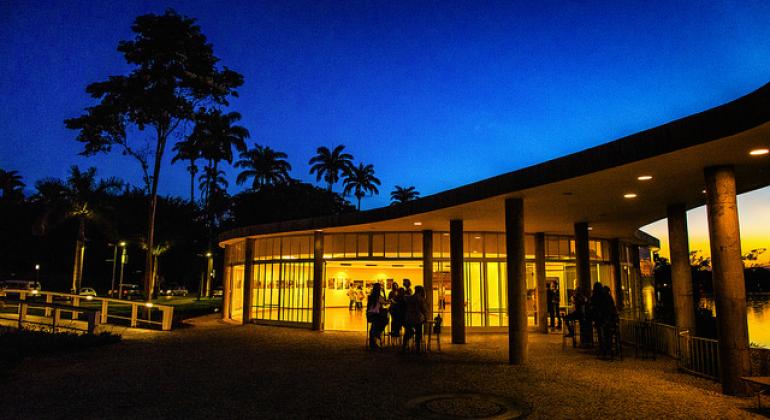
<point>588,186</point>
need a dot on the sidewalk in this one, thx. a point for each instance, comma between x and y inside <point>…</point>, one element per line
<point>216,370</point>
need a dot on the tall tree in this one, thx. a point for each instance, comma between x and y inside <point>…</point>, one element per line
<point>80,197</point>
<point>330,164</point>
<point>11,185</point>
<point>264,165</point>
<point>188,150</point>
<point>174,71</point>
<point>361,181</point>
<point>403,194</point>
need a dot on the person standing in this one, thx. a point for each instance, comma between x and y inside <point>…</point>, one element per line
<point>407,287</point>
<point>396,300</point>
<point>351,296</point>
<point>549,297</point>
<point>359,298</point>
<point>416,314</point>
<point>376,314</point>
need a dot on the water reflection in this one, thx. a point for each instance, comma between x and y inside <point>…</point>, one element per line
<point>758,317</point>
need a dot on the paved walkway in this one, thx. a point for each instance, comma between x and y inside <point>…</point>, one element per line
<point>216,370</point>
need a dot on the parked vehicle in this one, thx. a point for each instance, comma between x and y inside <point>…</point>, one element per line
<point>218,292</point>
<point>174,290</point>
<point>87,291</point>
<point>30,286</point>
<point>132,292</point>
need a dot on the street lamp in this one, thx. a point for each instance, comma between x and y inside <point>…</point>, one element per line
<point>37,273</point>
<point>123,260</point>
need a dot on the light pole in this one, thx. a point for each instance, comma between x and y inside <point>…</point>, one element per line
<point>209,271</point>
<point>37,273</point>
<point>114,265</point>
<point>123,260</point>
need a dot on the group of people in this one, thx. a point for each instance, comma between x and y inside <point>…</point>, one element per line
<point>356,296</point>
<point>403,308</point>
<point>598,309</point>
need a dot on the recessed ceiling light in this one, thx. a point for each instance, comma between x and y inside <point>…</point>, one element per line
<point>629,195</point>
<point>759,152</point>
<point>590,228</point>
<point>644,177</point>
<point>477,237</point>
<point>704,191</point>
<point>446,234</point>
<point>418,223</point>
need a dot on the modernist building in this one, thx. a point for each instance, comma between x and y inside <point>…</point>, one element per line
<point>487,250</point>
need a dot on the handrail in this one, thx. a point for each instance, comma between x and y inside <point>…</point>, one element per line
<point>91,313</point>
<point>134,319</point>
<point>698,355</point>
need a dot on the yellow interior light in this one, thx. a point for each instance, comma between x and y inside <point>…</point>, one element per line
<point>759,152</point>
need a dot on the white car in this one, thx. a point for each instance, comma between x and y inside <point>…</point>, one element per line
<point>87,291</point>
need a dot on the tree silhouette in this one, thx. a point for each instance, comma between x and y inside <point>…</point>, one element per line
<point>265,165</point>
<point>174,71</point>
<point>11,185</point>
<point>80,197</point>
<point>329,165</point>
<point>188,150</point>
<point>361,181</point>
<point>403,194</point>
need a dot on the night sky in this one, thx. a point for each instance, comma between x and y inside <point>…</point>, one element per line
<point>434,94</point>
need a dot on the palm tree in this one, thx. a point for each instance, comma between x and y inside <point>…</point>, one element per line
<point>403,194</point>
<point>211,181</point>
<point>11,185</point>
<point>265,165</point>
<point>80,197</point>
<point>331,164</point>
<point>190,151</point>
<point>361,181</point>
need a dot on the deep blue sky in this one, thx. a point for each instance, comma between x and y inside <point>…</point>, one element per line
<point>434,94</point>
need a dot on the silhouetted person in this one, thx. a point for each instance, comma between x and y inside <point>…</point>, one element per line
<point>416,314</point>
<point>577,312</point>
<point>397,309</point>
<point>376,314</point>
<point>550,294</point>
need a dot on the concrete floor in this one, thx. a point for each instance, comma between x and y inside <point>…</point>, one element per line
<point>211,369</point>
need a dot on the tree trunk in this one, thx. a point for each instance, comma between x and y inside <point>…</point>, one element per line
<point>80,245</point>
<point>148,261</point>
<point>192,183</point>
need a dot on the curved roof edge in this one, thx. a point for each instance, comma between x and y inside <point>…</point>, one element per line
<point>734,117</point>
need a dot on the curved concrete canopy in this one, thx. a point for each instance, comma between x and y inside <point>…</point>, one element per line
<point>587,186</point>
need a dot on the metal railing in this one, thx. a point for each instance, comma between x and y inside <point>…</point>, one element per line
<point>652,336</point>
<point>698,355</point>
<point>121,309</point>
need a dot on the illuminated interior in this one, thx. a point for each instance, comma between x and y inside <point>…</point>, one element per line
<point>282,275</point>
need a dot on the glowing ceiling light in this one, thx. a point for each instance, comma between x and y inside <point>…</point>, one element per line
<point>759,152</point>
<point>629,195</point>
<point>418,223</point>
<point>644,177</point>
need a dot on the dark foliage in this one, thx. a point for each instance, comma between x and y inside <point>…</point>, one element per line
<point>274,203</point>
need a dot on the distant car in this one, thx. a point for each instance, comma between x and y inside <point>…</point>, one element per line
<point>87,291</point>
<point>30,286</point>
<point>132,291</point>
<point>174,290</point>
<point>217,292</point>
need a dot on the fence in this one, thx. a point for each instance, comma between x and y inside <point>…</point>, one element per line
<point>698,355</point>
<point>108,308</point>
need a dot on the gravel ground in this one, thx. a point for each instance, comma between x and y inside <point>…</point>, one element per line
<point>211,369</point>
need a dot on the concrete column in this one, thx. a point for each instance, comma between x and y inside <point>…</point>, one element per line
<point>427,269</point>
<point>517,281</point>
<point>248,281</point>
<point>617,272</point>
<point>681,275</point>
<point>583,271</point>
<point>542,305</point>
<point>318,281</point>
<point>458,281</point>
<point>727,273</point>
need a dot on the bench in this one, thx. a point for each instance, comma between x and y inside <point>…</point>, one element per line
<point>760,382</point>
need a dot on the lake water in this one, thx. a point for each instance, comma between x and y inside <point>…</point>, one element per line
<point>758,318</point>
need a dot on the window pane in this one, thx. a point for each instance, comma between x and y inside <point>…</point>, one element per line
<point>391,245</point>
<point>405,245</point>
<point>378,246</point>
<point>417,245</point>
<point>490,245</point>
<point>350,246</point>
<point>363,245</point>
<point>338,247</point>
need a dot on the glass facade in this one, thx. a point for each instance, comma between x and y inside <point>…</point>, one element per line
<point>282,274</point>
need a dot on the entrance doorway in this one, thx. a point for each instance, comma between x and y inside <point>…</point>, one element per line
<point>347,285</point>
